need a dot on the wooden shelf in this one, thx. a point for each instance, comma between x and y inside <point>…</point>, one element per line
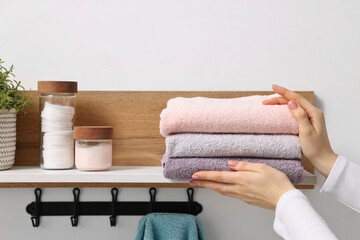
<point>134,116</point>
<point>118,176</point>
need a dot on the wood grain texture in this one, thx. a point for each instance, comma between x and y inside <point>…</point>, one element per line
<point>135,117</point>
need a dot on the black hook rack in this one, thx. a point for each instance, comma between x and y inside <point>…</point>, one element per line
<point>113,208</point>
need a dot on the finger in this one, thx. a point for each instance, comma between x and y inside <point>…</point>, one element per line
<point>276,101</point>
<point>217,176</point>
<point>246,166</point>
<point>289,95</point>
<point>216,186</point>
<point>301,117</point>
<point>315,115</point>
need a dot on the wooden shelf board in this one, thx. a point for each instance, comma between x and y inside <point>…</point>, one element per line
<point>117,176</point>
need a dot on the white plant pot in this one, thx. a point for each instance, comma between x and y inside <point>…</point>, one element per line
<point>7,138</point>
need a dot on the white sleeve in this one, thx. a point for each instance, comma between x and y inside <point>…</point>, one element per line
<point>295,219</point>
<point>343,183</point>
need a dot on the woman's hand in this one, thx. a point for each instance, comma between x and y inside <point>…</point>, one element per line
<point>261,185</point>
<point>312,130</point>
<point>254,183</point>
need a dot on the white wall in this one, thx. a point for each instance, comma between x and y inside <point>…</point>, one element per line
<point>188,45</point>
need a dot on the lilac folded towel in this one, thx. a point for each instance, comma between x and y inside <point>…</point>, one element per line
<point>184,168</point>
<point>233,145</point>
<point>233,115</point>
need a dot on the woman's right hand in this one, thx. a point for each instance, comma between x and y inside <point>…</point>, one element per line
<point>312,130</point>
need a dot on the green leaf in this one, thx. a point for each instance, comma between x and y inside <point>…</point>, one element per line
<point>10,94</point>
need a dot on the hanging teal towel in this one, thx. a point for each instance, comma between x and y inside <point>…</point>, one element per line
<point>169,226</point>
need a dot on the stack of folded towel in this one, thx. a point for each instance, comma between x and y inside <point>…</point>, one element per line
<point>202,134</point>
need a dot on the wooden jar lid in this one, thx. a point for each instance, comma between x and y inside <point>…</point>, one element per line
<point>57,87</point>
<point>93,132</point>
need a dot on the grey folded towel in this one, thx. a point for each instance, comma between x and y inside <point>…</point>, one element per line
<point>233,145</point>
<point>184,168</point>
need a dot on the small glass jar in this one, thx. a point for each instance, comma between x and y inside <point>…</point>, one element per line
<point>93,147</point>
<point>57,113</point>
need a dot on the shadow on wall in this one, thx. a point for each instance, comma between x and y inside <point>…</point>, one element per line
<point>319,102</point>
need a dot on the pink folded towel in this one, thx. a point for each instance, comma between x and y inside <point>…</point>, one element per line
<point>233,115</point>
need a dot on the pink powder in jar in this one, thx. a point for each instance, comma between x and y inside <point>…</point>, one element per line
<point>96,156</point>
<point>93,147</point>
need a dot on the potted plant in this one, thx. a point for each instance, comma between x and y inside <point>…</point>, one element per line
<point>12,101</point>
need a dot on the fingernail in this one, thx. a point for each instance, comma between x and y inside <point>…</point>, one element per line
<point>274,85</point>
<point>265,101</point>
<point>232,163</point>
<point>194,184</point>
<point>293,104</point>
<point>195,176</point>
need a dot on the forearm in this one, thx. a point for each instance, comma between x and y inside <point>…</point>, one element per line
<point>296,219</point>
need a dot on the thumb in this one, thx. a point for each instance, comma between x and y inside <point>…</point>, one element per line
<point>245,166</point>
<point>301,116</point>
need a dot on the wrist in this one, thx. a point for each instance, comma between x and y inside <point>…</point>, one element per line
<point>330,161</point>
<point>325,163</point>
<point>281,193</point>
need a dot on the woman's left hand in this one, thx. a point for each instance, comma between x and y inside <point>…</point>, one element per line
<point>254,183</point>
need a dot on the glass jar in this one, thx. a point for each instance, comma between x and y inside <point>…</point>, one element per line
<point>57,112</point>
<point>93,147</point>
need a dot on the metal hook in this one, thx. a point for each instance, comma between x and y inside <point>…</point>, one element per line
<point>152,192</point>
<point>75,218</point>
<point>35,220</point>
<point>190,193</point>
<point>114,194</point>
